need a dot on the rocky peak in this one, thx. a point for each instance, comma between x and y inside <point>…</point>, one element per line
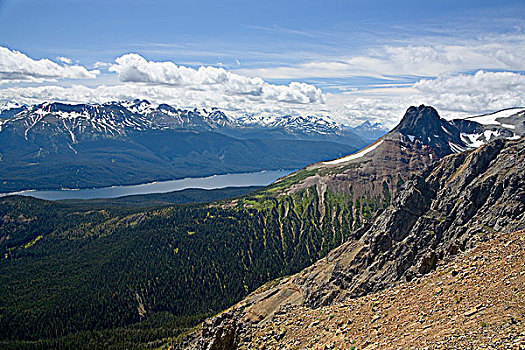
<point>422,118</point>
<point>422,125</point>
<point>54,107</point>
<point>216,117</point>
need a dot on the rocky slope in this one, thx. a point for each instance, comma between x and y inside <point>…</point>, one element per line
<point>474,301</point>
<point>452,206</point>
<point>374,175</point>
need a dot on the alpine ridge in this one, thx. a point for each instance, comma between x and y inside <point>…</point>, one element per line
<point>449,208</point>
<point>125,116</point>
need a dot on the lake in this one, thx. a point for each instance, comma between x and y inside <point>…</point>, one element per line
<point>261,178</point>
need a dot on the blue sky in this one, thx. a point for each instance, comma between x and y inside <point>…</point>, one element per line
<point>353,60</point>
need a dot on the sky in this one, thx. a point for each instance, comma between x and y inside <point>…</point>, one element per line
<point>351,60</point>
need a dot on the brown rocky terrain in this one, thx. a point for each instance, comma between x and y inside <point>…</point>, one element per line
<point>477,300</point>
<point>453,206</point>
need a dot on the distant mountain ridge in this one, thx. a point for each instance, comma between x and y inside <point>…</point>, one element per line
<point>369,131</point>
<point>122,117</point>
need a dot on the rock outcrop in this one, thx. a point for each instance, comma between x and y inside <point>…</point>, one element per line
<point>451,206</point>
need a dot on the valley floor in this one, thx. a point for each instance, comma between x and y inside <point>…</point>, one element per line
<point>476,301</point>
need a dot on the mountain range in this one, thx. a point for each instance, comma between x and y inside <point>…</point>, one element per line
<point>82,276</point>
<point>55,145</point>
<point>118,118</point>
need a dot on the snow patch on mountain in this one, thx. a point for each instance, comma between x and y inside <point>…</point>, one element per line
<point>321,125</point>
<point>456,148</point>
<point>473,140</point>
<point>492,118</point>
<point>9,105</point>
<point>490,133</point>
<point>139,106</point>
<point>355,155</point>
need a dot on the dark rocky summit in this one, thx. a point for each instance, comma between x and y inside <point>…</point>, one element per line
<point>423,124</point>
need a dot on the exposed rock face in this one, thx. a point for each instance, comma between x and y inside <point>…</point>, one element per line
<point>450,207</point>
<point>374,175</point>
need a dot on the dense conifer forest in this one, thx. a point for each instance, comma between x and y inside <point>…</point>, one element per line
<point>77,274</point>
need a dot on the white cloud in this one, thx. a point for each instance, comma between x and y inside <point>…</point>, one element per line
<point>64,60</point>
<point>453,96</point>
<point>16,66</point>
<point>184,98</point>
<point>483,91</point>
<point>133,68</point>
<point>103,65</point>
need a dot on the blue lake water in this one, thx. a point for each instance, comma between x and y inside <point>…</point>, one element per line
<point>261,178</point>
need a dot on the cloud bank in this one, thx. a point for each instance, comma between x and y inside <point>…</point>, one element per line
<point>412,59</point>
<point>454,97</point>
<point>133,68</point>
<point>440,76</point>
<point>16,66</point>
<point>488,91</point>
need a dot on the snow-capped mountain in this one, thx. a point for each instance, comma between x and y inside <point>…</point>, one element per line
<point>369,131</point>
<point>305,124</point>
<point>119,118</point>
<point>75,120</point>
<point>507,123</point>
<point>420,138</point>
<point>423,131</point>
<point>112,118</point>
<point>9,109</point>
<point>8,106</point>
<point>424,126</point>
